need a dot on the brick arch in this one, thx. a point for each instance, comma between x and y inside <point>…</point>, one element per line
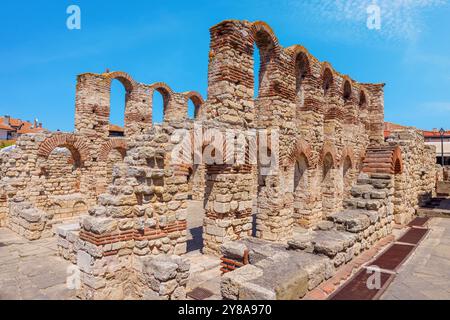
<point>329,148</point>
<point>166,93</point>
<point>299,52</point>
<point>300,65</point>
<point>347,88</point>
<point>124,78</point>
<point>327,76</point>
<point>397,161</point>
<point>258,27</point>
<point>348,152</point>
<point>117,144</point>
<point>363,99</point>
<point>301,148</point>
<point>196,99</point>
<point>269,51</point>
<point>77,145</point>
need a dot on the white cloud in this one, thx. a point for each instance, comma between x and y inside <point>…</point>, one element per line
<point>400,19</point>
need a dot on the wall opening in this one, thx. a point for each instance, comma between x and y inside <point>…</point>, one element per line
<point>347,175</point>
<point>328,185</point>
<point>347,91</point>
<point>191,112</point>
<point>362,100</point>
<point>327,81</point>
<point>301,70</point>
<point>118,101</point>
<point>158,107</point>
<point>301,187</point>
<point>263,49</point>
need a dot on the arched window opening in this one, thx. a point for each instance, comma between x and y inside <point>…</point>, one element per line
<point>301,191</point>
<point>118,101</point>
<point>194,104</point>
<point>327,81</point>
<point>347,175</point>
<point>160,102</point>
<point>301,70</point>
<point>362,100</point>
<point>191,109</point>
<point>301,165</point>
<point>262,56</point>
<point>397,167</point>
<point>256,71</point>
<point>347,90</point>
<point>327,166</point>
<point>347,166</point>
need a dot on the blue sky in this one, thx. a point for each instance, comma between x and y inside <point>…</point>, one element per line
<point>169,41</point>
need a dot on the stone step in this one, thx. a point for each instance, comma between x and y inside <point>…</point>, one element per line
<point>359,190</point>
<point>354,220</point>
<point>360,203</point>
<point>368,191</point>
<point>376,183</point>
<point>286,275</point>
<point>329,242</point>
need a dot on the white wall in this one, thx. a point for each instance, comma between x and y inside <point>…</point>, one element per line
<point>438,148</point>
<point>3,134</point>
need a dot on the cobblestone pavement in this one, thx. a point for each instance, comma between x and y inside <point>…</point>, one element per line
<point>425,275</point>
<point>31,270</point>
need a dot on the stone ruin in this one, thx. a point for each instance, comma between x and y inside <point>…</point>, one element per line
<point>118,205</point>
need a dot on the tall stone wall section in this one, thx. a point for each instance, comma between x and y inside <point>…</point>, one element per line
<point>142,214</point>
<point>417,182</point>
<point>319,113</point>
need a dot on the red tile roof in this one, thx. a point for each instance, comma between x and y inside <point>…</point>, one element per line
<point>5,127</point>
<point>19,126</point>
<point>116,128</point>
<point>30,130</point>
<point>389,126</point>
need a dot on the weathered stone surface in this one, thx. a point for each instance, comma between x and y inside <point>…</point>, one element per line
<point>352,220</point>
<point>233,249</point>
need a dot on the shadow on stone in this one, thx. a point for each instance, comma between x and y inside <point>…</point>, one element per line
<point>196,242</point>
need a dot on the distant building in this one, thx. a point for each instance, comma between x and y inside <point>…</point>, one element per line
<point>432,137</point>
<point>116,131</point>
<point>11,128</point>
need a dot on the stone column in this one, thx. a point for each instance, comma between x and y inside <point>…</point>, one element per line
<point>228,206</point>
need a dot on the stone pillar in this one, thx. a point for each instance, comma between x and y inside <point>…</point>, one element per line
<point>376,113</point>
<point>228,206</point>
<point>92,106</point>
<point>138,114</point>
<point>274,218</point>
<point>161,277</point>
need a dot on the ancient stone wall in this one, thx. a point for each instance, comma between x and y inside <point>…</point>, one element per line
<point>61,174</point>
<point>314,130</point>
<point>143,213</point>
<point>325,120</point>
<point>417,182</point>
